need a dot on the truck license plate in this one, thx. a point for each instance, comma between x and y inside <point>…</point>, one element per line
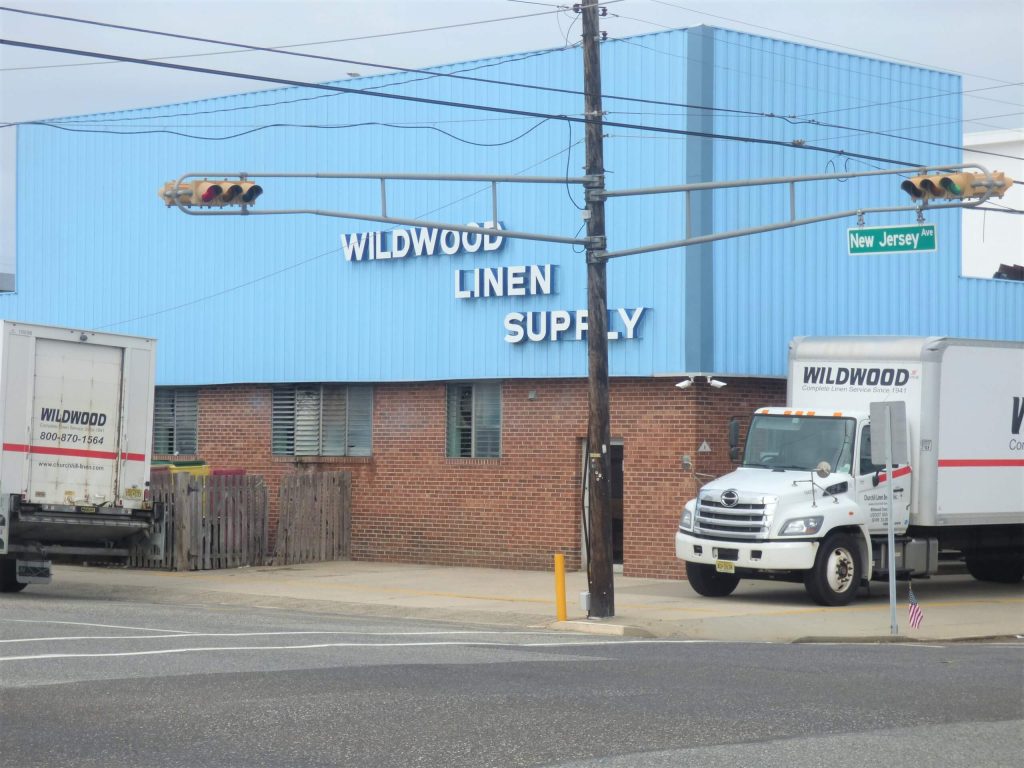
<point>724,566</point>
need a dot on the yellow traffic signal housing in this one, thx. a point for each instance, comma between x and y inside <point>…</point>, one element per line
<point>183,194</point>
<point>213,192</point>
<point>956,186</point>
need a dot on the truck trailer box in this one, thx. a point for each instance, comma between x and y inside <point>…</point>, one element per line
<point>964,403</point>
<point>76,416</point>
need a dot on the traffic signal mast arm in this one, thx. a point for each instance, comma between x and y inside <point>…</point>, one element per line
<point>990,183</point>
<point>960,188</point>
<point>196,198</point>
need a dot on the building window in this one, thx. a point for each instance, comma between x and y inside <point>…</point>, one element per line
<point>175,421</point>
<point>474,421</point>
<point>322,420</point>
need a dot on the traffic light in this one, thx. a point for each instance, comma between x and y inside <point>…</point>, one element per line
<point>212,192</point>
<point>956,186</point>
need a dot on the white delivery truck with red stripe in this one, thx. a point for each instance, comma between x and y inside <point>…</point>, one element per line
<point>808,504</point>
<point>76,416</point>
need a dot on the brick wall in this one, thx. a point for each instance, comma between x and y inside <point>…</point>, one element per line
<point>412,504</point>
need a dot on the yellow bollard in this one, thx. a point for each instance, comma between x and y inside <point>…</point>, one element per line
<point>560,587</point>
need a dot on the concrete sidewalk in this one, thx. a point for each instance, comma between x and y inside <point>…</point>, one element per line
<point>955,607</point>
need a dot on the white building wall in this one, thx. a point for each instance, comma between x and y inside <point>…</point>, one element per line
<point>991,238</point>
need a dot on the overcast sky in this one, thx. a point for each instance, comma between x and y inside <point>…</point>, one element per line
<point>983,40</point>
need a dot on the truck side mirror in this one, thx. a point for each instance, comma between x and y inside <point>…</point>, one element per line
<point>734,439</point>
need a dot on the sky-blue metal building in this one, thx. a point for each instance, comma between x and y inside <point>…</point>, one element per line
<point>275,299</point>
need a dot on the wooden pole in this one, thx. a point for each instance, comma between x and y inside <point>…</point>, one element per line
<point>599,566</point>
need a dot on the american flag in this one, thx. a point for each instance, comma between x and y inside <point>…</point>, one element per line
<point>914,610</point>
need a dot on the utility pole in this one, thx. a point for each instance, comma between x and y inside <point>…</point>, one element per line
<point>599,566</point>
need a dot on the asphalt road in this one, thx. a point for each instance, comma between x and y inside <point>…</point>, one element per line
<point>87,682</point>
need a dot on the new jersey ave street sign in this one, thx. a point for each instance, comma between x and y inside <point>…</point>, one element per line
<point>895,239</point>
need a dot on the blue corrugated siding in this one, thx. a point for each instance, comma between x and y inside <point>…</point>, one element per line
<point>771,287</point>
<point>271,298</point>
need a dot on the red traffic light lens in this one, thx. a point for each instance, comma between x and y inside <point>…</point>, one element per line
<point>211,192</point>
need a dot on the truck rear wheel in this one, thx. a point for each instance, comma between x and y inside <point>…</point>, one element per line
<point>9,575</point>
<point>1001,570</point>
<point>836,574</point>
<point>708,582</point>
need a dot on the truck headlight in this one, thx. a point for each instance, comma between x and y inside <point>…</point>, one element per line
<point>802,526</point>
<point>686,519</point>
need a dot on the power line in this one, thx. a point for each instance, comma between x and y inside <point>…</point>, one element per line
<point>631,42</point>
<point>452,75</point>
<point>271,104</point>
<point>935,125</point>
<point>916,98</point>
<point>399,126</point>
<point>276,49</point>
<point>826,42</point>
<point>797,59</point>
<point>442,102</point>
<point>305,126</point>
<point>393,67</point>
<point>422,71</point>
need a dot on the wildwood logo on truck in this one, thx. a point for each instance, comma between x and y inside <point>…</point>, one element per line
<point>85,418</point>
<point>856,377</point>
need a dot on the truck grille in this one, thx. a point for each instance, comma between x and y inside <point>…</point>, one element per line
<point>740,521</point>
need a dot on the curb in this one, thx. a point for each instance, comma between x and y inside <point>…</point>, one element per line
<point>897,639</point>
<point>598,627</point>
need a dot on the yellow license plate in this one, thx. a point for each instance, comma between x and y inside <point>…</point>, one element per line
<point>133,493</point>
<point>724,566</point>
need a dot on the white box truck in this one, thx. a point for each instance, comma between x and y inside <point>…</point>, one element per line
<point>76,416</point>
<point>808,505</point>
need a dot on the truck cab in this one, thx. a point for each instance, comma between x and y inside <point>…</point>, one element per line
<point>807,487</point>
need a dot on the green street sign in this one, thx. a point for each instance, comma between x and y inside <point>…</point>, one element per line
<point>905,238</point>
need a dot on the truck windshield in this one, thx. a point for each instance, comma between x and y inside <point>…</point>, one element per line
<point>799,442</point>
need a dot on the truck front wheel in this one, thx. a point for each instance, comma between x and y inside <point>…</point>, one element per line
<point>708,582</point>
<point>9,575</point>
<point>836,574</point>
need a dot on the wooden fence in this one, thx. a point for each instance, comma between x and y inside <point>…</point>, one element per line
<point>210,522</point>
<point>315,520</point>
